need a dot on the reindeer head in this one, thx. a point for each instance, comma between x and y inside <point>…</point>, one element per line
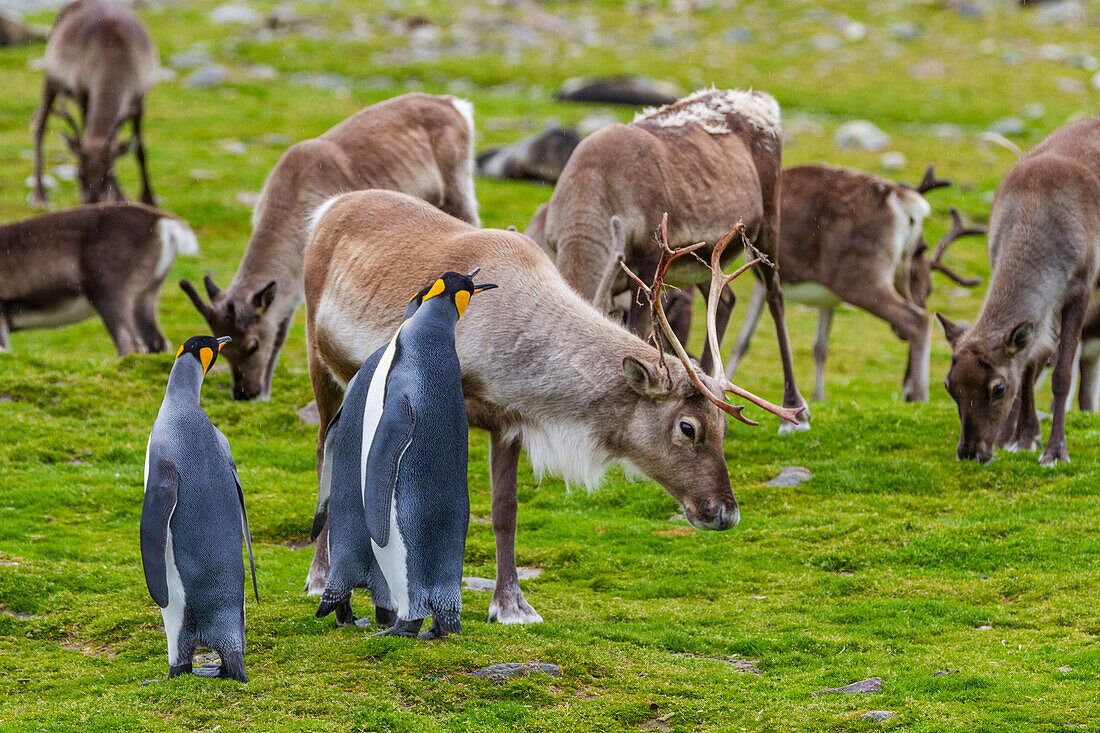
<point>95,158</point>
<point>257,333</point>
<point>686,399</point>
<point>984,379</point>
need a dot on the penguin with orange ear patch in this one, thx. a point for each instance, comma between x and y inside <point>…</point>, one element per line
<point>393,481</point>
<point>192,523</point>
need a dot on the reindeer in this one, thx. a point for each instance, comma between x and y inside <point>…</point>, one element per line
<point>541,368</point>
<point>110,259</point>
<point>100,56</point>
<point>710,159</point>
<point>850,237</point>
<point>1044,248</point>
<point>415,143</point>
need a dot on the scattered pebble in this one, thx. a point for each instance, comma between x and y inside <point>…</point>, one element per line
<point>497,672</point>
<point>234,147</point>
<point>985,628</point>
<point>737,35</point>
<point>1034,110</point>
<point>904,31</point>
<point>892,161</point>
<point>207,75</point>
<point>873,684</point>
<point>190,58</point>
<point>879,716</point>
<point>476,583</point>
<point>65,172</point>
<point>945,672</point>
<point>200,174</point>
<point>235,13</point>
<point>861,135</point>
<point>263,72</point>
<point>594,122</point>
<point>309,414</point>
<point>1008,126</point>
<point>250,199</point>
<point>791,476</point>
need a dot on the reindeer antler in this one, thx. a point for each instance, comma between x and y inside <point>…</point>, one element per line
<point>958,230</point>
<point>719,280</point>
<point>930,181</point>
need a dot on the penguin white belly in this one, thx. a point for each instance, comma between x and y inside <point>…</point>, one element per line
<point>173,612</point>
<point>393,561</point>
<point>391,558</point>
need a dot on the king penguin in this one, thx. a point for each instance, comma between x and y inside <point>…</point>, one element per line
<point>192,522</point>
<point>393,477</point>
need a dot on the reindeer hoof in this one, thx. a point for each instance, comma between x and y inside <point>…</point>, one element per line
<point>1051,458</point>
<point>512,608</point>
<point>803,422</point>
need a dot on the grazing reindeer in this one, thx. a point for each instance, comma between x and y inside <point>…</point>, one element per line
<point>415,143</point>
<point>100,56</point>
<point>1044,248</point>
<point>541,368</point>
<point>850,237</point>
<point>710,159</point>
<point>109,259</point>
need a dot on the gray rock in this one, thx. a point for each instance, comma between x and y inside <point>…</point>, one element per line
<point>945,672</point>
<point>737,34</point>
<point>498,672</point>
<point>309,414</point>
<point>1034,110</point>
<point>1066,11</point>
<point>1008,126</point>
<point>486,584</point>
<point>791,476</point>
<point>892,160</point>
<point>968,10</point>
<point>476,583</point>
<point>263,72</point>
<point>594,122</point>
<point>250,199</point>
<point>904,31</point>
<point>206,76</point>
<point>236,13</point>
<point>879,716</point>
<point>190,58</point>
<point>861,135</point>
<point>825,42</point>
<point>873,684</point>
<point>66,172</point>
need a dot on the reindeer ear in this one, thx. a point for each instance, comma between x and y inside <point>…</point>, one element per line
<point>262,299</point>
<point>1019,338</point>
<point>951,330</point>
<point>643,377</point>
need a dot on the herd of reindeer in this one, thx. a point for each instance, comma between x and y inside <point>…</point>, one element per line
<point>568,360</point>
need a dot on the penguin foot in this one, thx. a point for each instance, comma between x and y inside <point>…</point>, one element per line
<point>363,623</point>
<point>438,631</point>
<point>403,628</point>
<point>344,615</point>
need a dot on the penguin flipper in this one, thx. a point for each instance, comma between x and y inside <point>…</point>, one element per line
<point>324,488</point>
<point>244,513</point>
<point>391,439</point>
<point>161,494</point>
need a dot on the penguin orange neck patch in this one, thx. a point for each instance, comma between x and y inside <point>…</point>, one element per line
<point>462,299</point>
<point>206,356</point>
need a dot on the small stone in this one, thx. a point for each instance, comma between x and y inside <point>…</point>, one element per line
<point>7,564</point>
<point>200,174</point>
<point>737,34</point>
<point>206,76</point>
<point>873,684</point>
<point>968,10</point>
<point>1069,85</point>
<point>498,672</point>
<point>528,573</point>
<point>854,31</point>
<point>1096,80</point>
<point>190,58</point>
<point>309,415</point>
<point>1065,669</point>
<point>861,135</point>
<point>65,172</point>
<point>1008,126</point>
<point>248,198</point>
<point>234,147</point>
<point>928,69</point>
<point>892,161</point>
<point>945,672</point>
<point>1034,111</point>
<point>677,517</point>
<point>235,13</point>
<point>476,583</point>
<point>262,72</point>
<point>825,42</point>
<point>1084,61</point>
<point>904,31</point>
<point>594,122</point>
<point>791,476</point>
<point>946,131</point>
<point>879,716</point>
<point>985,628</point>
<point>48,181</point>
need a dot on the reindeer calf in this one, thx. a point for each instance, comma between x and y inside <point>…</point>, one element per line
<point>108,259</point>
<point>1044,246</point>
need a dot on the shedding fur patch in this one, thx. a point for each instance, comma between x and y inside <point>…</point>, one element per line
<point>710,109</point>
<point>565,450</point>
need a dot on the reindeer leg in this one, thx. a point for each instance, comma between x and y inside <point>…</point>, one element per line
<point>508,605</point>
<point>1073,315</point>
<point>748,328</point>
<point>726,303</point>
<point>821,350</point>
<point>329,395</point>
<point>1028,435</point>
<point>911,323</point>
<point>49,95</point>
<point>145,314</point>
<point>5,330</point>
<point>791,396</point>
<point>139,153</point>
<point>1088,394</point>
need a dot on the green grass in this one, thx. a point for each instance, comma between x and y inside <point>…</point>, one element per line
<point>890,562</point>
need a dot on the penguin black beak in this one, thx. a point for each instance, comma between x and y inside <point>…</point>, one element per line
<point>485,286</point>
<point>222,341</point>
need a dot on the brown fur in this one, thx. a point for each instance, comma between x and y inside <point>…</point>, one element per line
<point>105,253</point>
<point>415,143</point>
<point>1044,247</point>
<point>100,56</point>
<point>536,360</point>
<point>705,181</point>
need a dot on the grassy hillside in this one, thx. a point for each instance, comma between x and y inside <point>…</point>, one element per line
<point>894,561</point>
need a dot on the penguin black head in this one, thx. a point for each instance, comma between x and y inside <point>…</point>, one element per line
<point>453,286</point>
<point>204,348</point>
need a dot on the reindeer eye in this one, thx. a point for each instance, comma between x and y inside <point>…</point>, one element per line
<point>688,430</point>
<point>997,391</point>
<point>253,345</point>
